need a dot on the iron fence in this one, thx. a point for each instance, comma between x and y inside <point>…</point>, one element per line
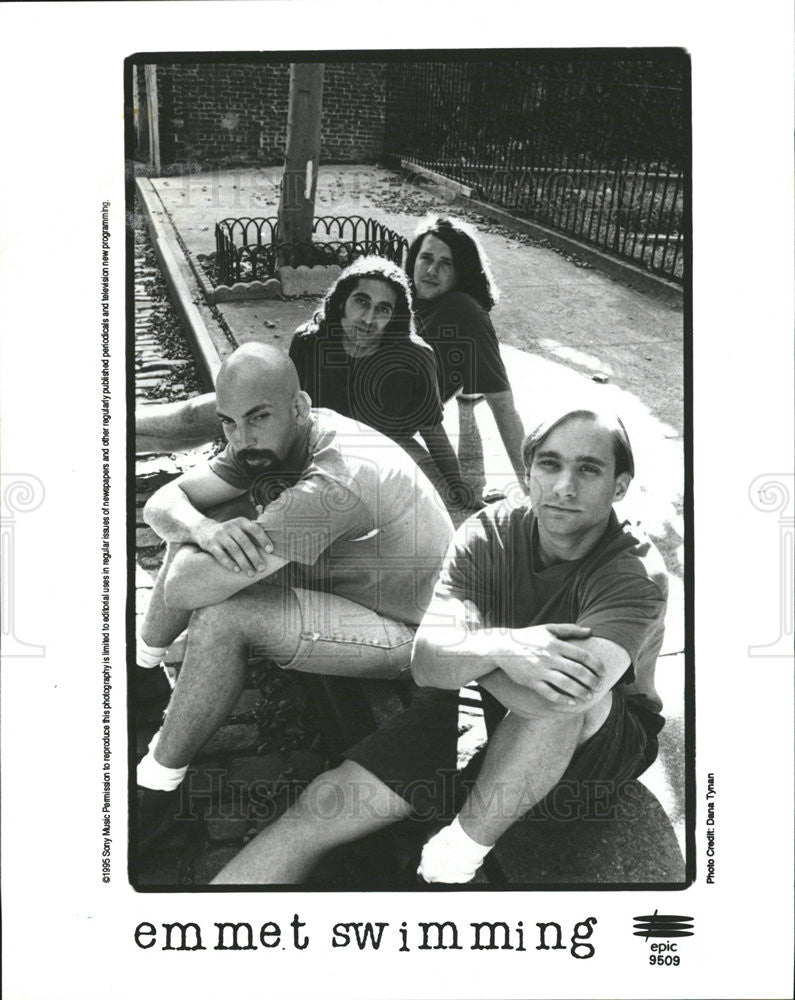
<point>247,249</point>
<point>594,148</point>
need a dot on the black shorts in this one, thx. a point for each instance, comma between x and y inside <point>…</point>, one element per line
<point>414,754</point>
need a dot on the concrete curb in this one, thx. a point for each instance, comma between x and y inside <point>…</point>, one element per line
<point>201,278</point>
<point>618,270</point>
<point>178,281</point>
<point>440,179</point>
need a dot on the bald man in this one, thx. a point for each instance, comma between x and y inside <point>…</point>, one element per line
<point>325,562</point>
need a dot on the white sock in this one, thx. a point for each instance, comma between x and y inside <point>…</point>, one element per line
<point>149,656</point>
<point>451,855</point>
<point>151,774</point>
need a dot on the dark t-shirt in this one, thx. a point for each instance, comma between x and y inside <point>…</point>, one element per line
<point>467,350</point>
<point>393,390</point>
<point>619,590</point>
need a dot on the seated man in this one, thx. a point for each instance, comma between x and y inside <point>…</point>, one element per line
<point>332,576</point>
<point>556,608</point>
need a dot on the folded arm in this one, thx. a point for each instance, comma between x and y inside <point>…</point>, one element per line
<point>239,546</point>
<point>450,647</point>
<point>541,668</point>
<point>176,510</point>
<point>528,703</point>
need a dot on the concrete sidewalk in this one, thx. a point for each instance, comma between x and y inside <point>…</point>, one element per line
<point>559,324</point>
<point>564,312</point>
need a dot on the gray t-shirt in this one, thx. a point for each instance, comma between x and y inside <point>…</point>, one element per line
<point>362,521</point>
<point>619,589</point>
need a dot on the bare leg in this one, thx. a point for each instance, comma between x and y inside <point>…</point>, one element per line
<point>525,759</point>
<point>470,445</point>
<point>177,426</point>
<point>161,624</point>
<point>509,424</point>
<point>338,807</point>
<point>263,621</point>
<point>220,641</point>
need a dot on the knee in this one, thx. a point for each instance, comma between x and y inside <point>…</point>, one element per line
<point>213,621</point>
<point>180,576</point>
<point>595,717</point>
<point>342,797</point>
<point>549,720</point>
<point>258,616</point>
<point>326,798</point>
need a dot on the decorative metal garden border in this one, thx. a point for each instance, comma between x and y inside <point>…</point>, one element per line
<point>246,248</point>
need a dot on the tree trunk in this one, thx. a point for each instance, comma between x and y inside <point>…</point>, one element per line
<point>297,200</point>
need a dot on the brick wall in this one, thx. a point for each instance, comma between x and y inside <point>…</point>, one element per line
<point>354,109</point>
<point>236,114</point>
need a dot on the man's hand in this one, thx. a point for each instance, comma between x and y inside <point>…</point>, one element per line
<point>238,545</point>
<point>542,660</point>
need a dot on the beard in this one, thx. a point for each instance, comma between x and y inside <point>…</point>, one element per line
<point>259,459</point>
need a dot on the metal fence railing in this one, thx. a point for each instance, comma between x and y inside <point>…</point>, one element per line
<point>246,249</point>
<point>592,147</point>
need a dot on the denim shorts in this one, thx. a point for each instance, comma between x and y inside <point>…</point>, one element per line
<point>343,638</point>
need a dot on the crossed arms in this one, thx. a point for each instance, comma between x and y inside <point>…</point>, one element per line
<point>218,557</point>
<point>540,669</point>
<point>532,671</point>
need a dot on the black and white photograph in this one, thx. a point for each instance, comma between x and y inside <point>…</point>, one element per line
<point>396,503</point>
<point>416,571</point>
